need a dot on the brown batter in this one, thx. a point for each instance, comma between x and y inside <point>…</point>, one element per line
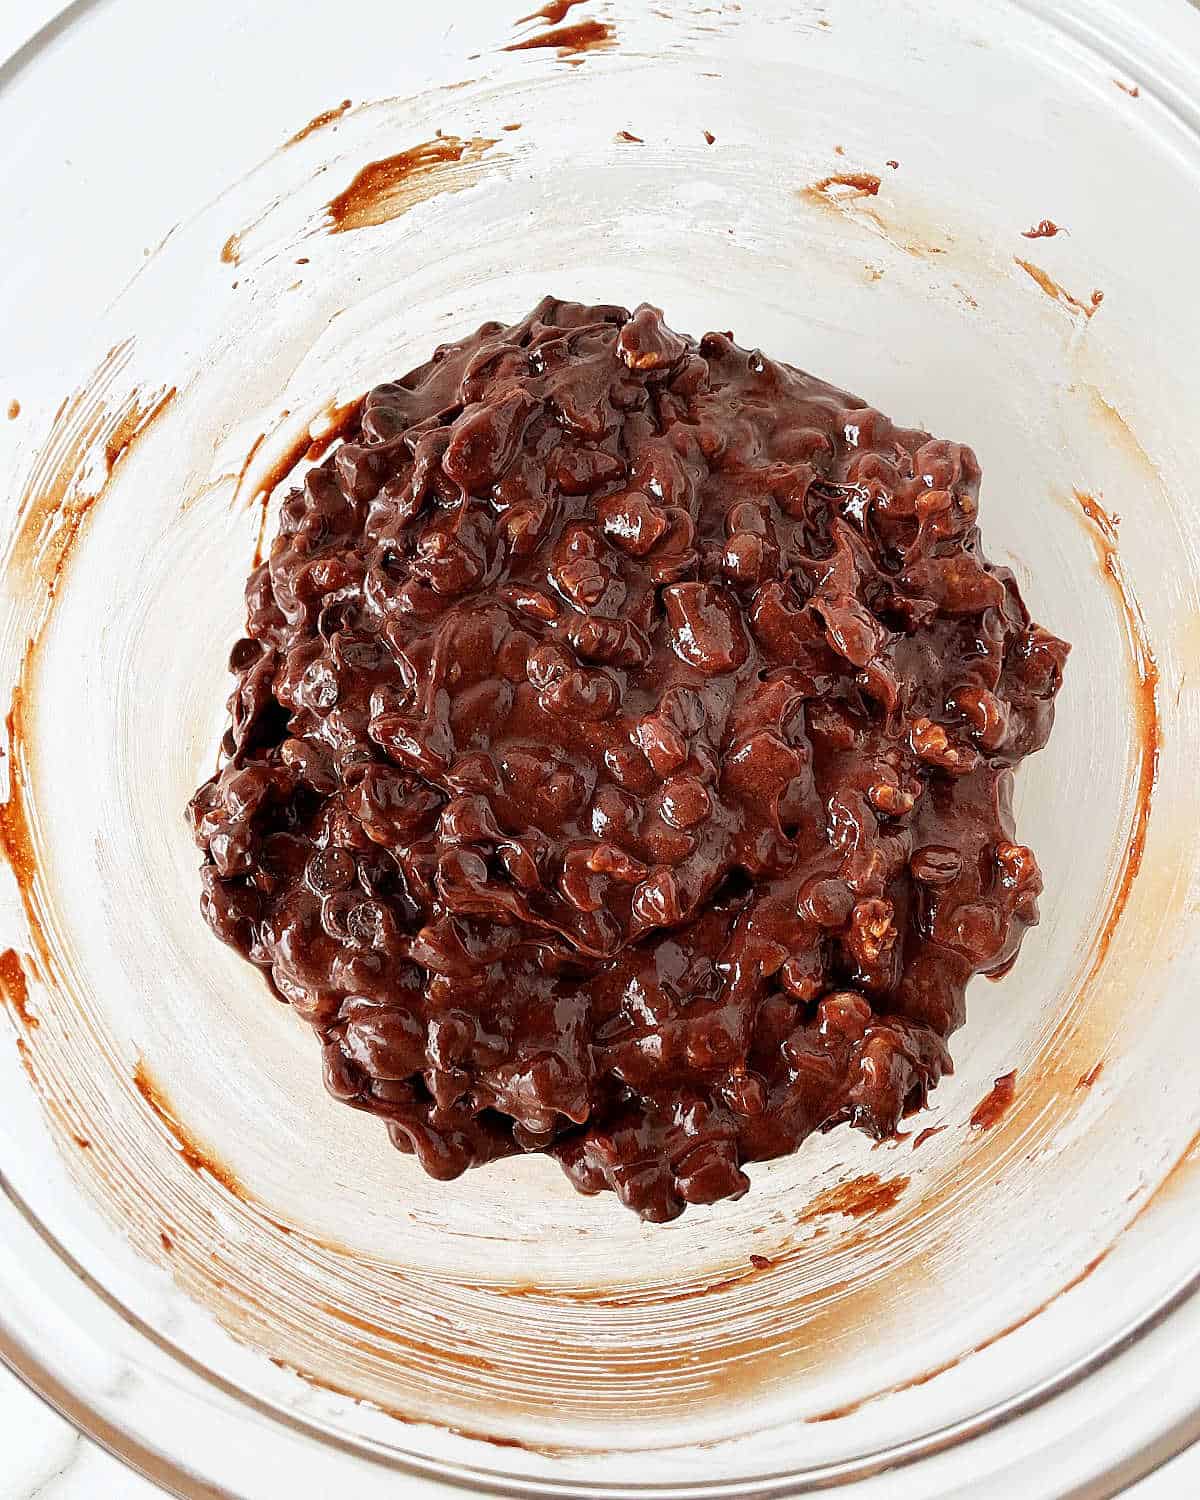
<point>621,757</point>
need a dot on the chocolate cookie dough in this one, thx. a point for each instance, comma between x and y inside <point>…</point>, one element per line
<point>621,757</point>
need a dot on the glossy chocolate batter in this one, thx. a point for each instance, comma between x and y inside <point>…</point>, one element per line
<point>621,757</point>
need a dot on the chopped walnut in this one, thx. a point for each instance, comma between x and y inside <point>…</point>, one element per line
<point>872,931</point>
<point>986,715</point>
<point>931,744</point>
<point>888,798</point>
<point>1018,867</point>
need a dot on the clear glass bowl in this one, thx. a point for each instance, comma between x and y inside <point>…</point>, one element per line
<point>187,1222</point>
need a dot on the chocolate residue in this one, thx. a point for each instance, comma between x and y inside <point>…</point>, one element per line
<point>845,193</point>
<point>547,1450</point>
<point>166,1242</point>
<point>129,425</point>
<point>858,185</point>
<point>341,419</point>
<point>26,1060</point>
<point>52,513</point>
<point>860,1198</point>
<point>1044,229</point>
<point>1128,88</point>
<point>552,12</point>
<point>15,989</point>
<point>14,409</point>
<point>248,460</point>
<point>67,535</point>
<point>260,540</point>
<point>836,1413</point>
<point>1122,431</point>
<point>1089,1078</point>
<point>318,122</point>
<point>627,135</point>
<point>353,1319</point>
<point>194,1154</point>
<point>636,1297</point>
<point>1036,1312</point>
<point>302,447</point>
<point>1058,293</point>
<point>893,164</point>
<point>1104,522</point>
<point>387,188</point>
<point>51,516</point>
<point>571,41</point>
<point>908,1385</point>
<point>1145,695</point>
<point>992,1108</point>
<point>16,838</point>
<point>709,137</point>
<point>231,250</point>
<point>927,1134</point>
<point>515,126</point>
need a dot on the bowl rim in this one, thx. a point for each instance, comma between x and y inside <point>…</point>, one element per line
<point>1158,43</point>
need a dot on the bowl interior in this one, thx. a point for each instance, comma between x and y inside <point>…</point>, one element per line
<point>502,1307</point>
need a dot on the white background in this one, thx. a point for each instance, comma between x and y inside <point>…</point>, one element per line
<point>41,1455</point>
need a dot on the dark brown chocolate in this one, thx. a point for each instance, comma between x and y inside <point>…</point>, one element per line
<point>621,757</point>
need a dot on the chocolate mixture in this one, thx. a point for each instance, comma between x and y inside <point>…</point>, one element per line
<point>621,757</point>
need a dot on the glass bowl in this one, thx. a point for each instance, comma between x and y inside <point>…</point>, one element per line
<point>235,1283</point>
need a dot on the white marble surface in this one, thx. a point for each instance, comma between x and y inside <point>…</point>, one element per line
<point>41,1456</point>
